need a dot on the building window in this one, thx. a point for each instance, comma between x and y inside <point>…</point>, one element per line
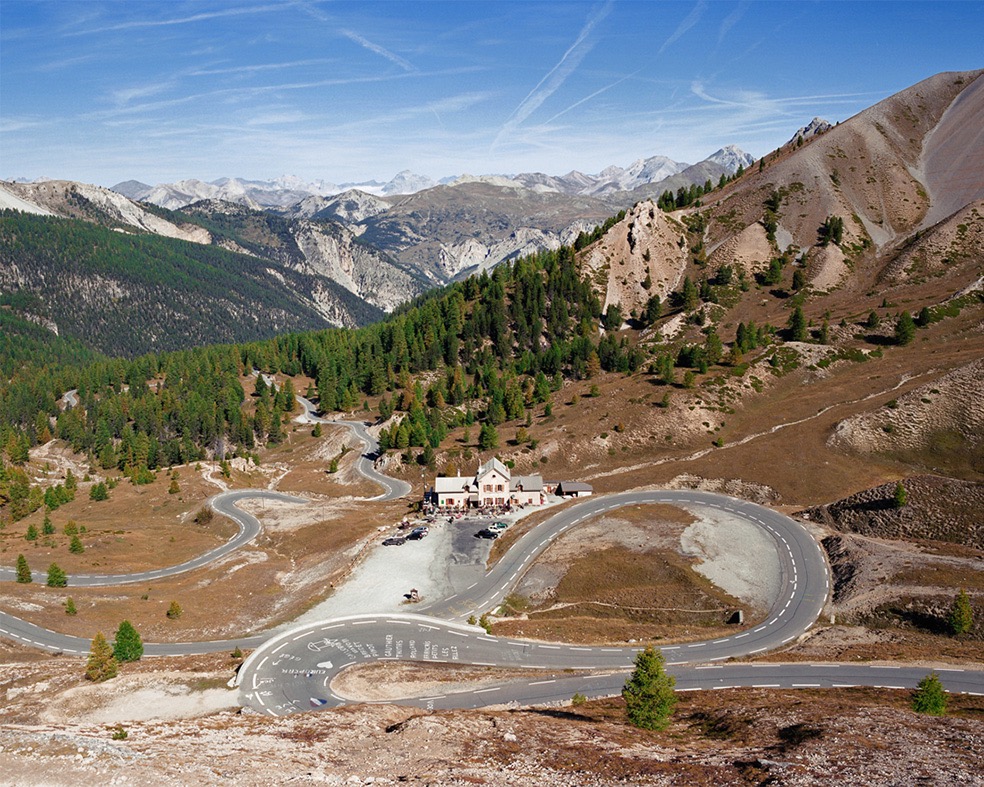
<point>498,488</point>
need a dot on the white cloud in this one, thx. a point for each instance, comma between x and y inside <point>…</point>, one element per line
<point>376,48</point>
<point>554,78</point>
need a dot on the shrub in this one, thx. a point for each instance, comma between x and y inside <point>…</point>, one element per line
<point>174,611</point>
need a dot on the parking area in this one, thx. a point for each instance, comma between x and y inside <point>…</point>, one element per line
<point>445,561</point>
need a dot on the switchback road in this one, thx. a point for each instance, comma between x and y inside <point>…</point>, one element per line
<point>293,671</point>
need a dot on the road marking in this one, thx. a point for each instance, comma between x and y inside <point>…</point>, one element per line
<point>457,633</point>
<point>739,636</point>
<point>573,648</point>
<point>805,685</point>
<point>400,622</point>
<point>765,685</point>
<point>486,691</point>
<point>708,667</point>
<point>487,639</point>
<point>758,651</point>
<point>697,645</point>
<point>549,647</point>
<point>541,682</point>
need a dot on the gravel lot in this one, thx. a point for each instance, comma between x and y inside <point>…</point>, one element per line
<point>736,555</point>
<point>446,561</point>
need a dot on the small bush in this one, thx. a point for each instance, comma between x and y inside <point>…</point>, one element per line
<point>930,696</point>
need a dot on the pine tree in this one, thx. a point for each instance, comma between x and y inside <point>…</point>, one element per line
<point>102,664</point>
<point>797,325</point>
<point>905,329</point>
<point>488,437</point>
<point>47,527</point>
<point>961,614</point>
<point>99,492</point>
<point>56,577</point>
<point>173,489</point>
<point>75,546</point>
<point>23,571</point>
<point>127,646</point>
<point>32,533</point>
<point>649,692</point>
<point>70,606</point>
<point>930,696</point>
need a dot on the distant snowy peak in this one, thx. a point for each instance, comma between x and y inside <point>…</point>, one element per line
<point>731,157</point>
<point>812,129</point>
<point>640,172</point>
<point>407,182</point>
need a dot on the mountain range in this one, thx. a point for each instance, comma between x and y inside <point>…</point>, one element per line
<point>288,189</point>
<point>903,175</point>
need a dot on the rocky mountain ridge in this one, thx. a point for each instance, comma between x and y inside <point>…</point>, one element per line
<point>288,190</point>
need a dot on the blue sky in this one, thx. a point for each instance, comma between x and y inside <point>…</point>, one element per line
<point>158,91</point>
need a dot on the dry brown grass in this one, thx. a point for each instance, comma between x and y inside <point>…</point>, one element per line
<point>138,528</point>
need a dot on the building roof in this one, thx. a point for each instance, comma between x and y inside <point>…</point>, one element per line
<point>492,464</point>
<point>447,484</point>
<point>575,486</point>
<point>529,483</point>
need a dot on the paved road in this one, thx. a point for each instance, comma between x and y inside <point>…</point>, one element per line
<point>223,503</point>
<point>393,488</point>
<point>804,585</point>
<point>293,672</point>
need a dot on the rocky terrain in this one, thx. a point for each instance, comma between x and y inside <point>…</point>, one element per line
<point>737,737</point>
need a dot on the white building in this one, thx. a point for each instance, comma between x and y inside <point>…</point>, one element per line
<point>492,485</point>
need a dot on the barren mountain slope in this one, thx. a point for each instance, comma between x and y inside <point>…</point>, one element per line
<point>867,170</point>
<point>450,230</point>
<point>103,206</point>
<point>647,242</point>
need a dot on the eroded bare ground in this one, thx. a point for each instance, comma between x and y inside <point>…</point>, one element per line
<point>737,737</point>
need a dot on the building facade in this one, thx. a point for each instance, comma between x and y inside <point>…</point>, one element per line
<point>493,486</point>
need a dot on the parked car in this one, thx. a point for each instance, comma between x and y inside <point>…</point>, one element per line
<point>418,533</point>
<point>498,526</point>
<point>487,533</point>
<point>394,541</point>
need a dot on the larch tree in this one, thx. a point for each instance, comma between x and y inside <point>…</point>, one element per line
<point>649,692</point>
<point>102,664</point>
<point>930,696</point>
<point>961,617</point>
<point>127,646</point>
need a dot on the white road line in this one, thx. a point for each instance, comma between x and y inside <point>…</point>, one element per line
<point>486,691</point>
<point>541,682</point>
